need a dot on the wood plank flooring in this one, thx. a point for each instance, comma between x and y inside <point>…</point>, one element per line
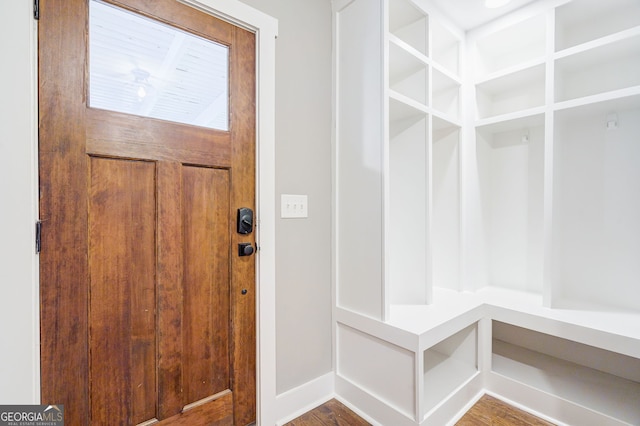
<point>488,411</point>
<point>331,413</point>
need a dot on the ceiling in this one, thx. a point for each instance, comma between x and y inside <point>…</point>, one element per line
<point>468,14</point>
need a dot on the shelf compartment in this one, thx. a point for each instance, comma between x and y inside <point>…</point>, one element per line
<point>445,48</point>
<point>449,364</point>
<point>403,113</point>
<point>604,381</point>
<point>510,163</point>
<point>445,228</point>
<point>518,44</point>
<point>445,97</point>
<point>603,69</point>
<point>596,207</point>
<point>408,75</point>
<point>519,91</point>
<point>410,24</point>
<point>408,136</point>
<point>599,105</point>
<point>582,21</point>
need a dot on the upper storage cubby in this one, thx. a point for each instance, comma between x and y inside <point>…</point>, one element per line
<point>518,45</point>
<point>408,74</point>
<point>445,96</point>
<point>409,24</point>
<point>608,67</point>
<point>511,93</point>
<point>445,46</point>
<point>581,21</point>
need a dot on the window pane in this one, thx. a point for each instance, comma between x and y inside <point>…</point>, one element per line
<point>144,67</point>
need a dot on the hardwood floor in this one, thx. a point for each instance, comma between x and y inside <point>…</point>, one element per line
<point>331,413</point>
<point>488,411</point>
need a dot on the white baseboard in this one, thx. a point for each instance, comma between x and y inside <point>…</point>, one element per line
<point>368,406</point>
<point>295,402</point>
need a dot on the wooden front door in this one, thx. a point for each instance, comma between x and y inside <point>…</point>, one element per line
<point>147,308</point>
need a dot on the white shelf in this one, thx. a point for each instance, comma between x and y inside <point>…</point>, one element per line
<point>410,24</point>
<point>445,48</point>
<point>407,74</point>
<point>449,364</point>
<point>600,42</point>
<point>511,47</point>
<point>597,390</point>
<point>582,21</point>
<point>504,73</point>
<point>511,93</point>
<point>407,47</point>
<point>512,121</point>
<point>601,104</point>
<point>445,96</point>
<point>606,68</point>
<point>401,107</point>
<point>444,122</point>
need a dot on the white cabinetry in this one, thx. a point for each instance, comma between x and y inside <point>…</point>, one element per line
<point>557,107</point>
<point>492,172</point>
<point>397,154</point>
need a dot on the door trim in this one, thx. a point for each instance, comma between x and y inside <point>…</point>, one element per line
<point>266,30</point>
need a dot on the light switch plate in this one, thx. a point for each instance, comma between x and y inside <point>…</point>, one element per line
<point>293,206</point>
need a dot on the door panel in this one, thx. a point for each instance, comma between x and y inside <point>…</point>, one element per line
<point>122,263</point>
<point>147,312</point>
<point>206,278</point>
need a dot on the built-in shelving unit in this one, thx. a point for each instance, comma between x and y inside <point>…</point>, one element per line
<point>605,68</point>
<point>408,73</point>
<point>580,22</point>
<point>446,95</point>
<point>445,190</point>
<point>498,169</point>
<point>409,88</point>
<point>410,24</point>
<point>596,208</point>
<point>606,382</point>
<point>506,49</point>
<point>510,163</point>
<point>449,364</point>
<point>424,96</point>
<point>445,47</point>
<point>509,93</point>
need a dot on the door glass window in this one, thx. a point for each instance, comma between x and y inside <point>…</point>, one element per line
<point>144,67</point>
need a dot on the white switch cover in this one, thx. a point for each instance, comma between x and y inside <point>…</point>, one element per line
<point>293,206</point>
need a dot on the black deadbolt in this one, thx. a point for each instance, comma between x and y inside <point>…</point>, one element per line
<point>245,249</point>
<point>245,220</point>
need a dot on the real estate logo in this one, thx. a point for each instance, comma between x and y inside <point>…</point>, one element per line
<point>31,415</point>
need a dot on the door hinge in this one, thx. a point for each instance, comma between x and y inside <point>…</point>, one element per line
<point>38,236</point>
<point>36,9</point>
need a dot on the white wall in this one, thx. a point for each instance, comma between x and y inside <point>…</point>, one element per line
<point>303,166</point>
<point>19,335</point>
